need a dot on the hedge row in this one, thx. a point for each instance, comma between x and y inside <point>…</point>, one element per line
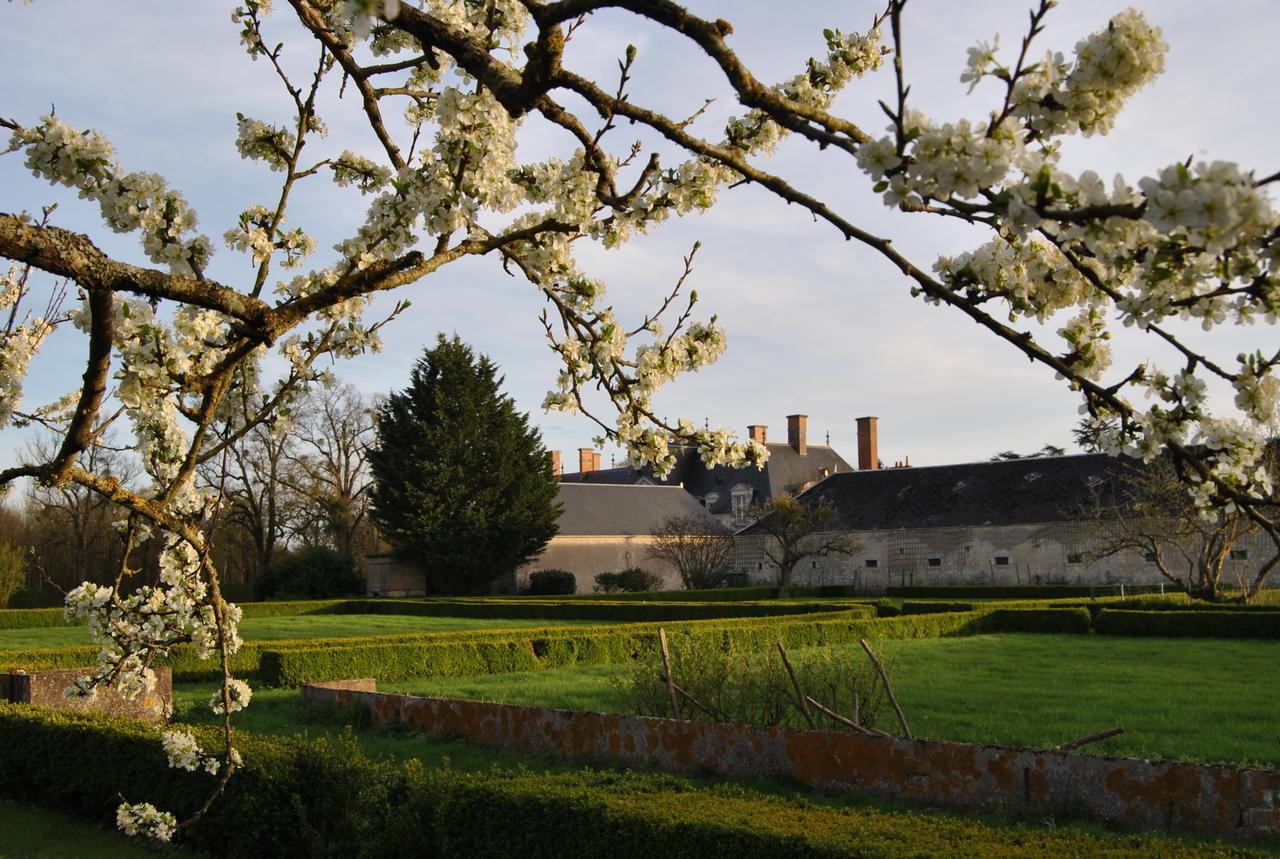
<point>498,607</point>
<point>753,592</point>
<point>521,651</point>
<point>37,618</point>
<point>1021,591</point>
<point>1189,624</point>
<point>614,610</point>
<point>326,799</point>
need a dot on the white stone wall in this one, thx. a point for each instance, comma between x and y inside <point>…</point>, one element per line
<point>585,557</point>
<point>1046,554</point>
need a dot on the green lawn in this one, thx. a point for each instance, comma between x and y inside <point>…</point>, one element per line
<point>27,832</point>
<point>1183,699</point>
<point>303,626</point>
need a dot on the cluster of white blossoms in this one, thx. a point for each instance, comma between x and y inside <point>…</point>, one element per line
<point>145,819</point>
<point>132,201</point>
<point>19,344</point>
<point>1193,242</point>
<point>258,234</point>
<point>238,693</point>
<point>184,753</point>
<point>259,141</point>
<point>1087,95</point>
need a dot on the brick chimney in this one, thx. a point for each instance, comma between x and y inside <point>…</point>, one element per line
<point>586,460</point>
<point>554,456</point>
<point>868,447</point>
<point>758,433</point>
<point>797,433</point>
<point>595,461</point>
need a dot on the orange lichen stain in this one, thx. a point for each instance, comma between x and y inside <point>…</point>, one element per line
<point>1003,772</point>
<point>1174,791</point>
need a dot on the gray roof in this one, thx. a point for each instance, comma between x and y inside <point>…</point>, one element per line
<point>1013,492</point>
<point>602,509</point>
<point>786,471</point>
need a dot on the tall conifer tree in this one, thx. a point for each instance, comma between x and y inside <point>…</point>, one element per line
<point>463,486</point>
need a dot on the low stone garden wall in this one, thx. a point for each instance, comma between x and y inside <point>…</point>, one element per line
<point>47,689</point>
<point>1214,800</point>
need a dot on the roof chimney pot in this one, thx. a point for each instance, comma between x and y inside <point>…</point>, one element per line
<point>868,445</point>
<point>797,433</point>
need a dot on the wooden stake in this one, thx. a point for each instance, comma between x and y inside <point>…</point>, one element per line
<point>1092,738</point>
<point>695,702</point>
<point>801,698</point>
<point>856,718</point>
<point>888,688</point>
<point>666,669</point>
<point>817,705</point>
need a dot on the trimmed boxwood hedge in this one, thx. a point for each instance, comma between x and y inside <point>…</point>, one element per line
<point>528,650</point>
<point>326,799</point>
<point>1019,591</point>
<point>1189,624</point>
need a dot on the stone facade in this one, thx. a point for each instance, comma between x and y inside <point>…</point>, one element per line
<point>586,557</point>
<point>1053,553</point>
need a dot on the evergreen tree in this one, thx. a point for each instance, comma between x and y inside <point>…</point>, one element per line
<point>462,484</point>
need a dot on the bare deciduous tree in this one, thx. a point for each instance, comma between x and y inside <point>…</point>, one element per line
<point>698,547</point>
<point>794,530</point>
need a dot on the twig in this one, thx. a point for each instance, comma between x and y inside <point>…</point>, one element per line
<point>666,669</point>
<point>856,717</point>
<point>695,702</point>
<point>888,687</point>
<point>801,698</point>
<point>844,721</point>
<point>1092,738</point>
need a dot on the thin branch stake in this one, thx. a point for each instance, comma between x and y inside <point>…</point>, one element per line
<point>817,705</point>
<point>888,687</point>
<point>801,698</point>
<point>1092,738</point>
<point>666,669</point>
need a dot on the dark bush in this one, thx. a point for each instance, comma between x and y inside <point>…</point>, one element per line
<point>630,580</point>
<point>551,583</point>
<point>316,571</point>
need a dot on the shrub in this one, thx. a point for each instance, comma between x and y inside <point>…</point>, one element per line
<point>630,580</point>
<point>1189,624</point>
<point>316,571</point>
<point>551,583</point>
<point>726,683</point>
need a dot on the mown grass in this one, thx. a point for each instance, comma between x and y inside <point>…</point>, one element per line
<point>1178,699</point>
<point>28,832</point>
<point>302,627</point>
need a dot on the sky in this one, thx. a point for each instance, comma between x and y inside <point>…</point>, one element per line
<point>815,325</point>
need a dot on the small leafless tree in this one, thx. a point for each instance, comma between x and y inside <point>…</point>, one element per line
<point>1148,510</point>
<point>698,547</point>
<point>795,530</point>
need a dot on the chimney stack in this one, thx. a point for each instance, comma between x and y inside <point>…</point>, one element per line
<point>586,460</point>
<point>758,433</point>
<point>797,433</point>
<point>595,461</point>
<point>554,456</point>
<point>868,448</point>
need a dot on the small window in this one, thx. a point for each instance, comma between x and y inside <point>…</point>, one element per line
<point>935,562</point>
<point>759,565</point>
<point>1075,558</point>
<point>1149,557</point>
<point>1001,560</point>
<point>871,563</point>
<point>813,565</point>
<point>1239,554</point>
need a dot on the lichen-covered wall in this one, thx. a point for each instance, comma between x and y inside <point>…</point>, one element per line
<point>1220,800</point>
<point>46,689</point>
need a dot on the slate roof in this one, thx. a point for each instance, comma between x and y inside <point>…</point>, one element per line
<point>602,509</point>
<point>786,471</point>
<point>1014,492</point>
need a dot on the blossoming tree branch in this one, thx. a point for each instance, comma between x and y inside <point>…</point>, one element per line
<point>179,360</point>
